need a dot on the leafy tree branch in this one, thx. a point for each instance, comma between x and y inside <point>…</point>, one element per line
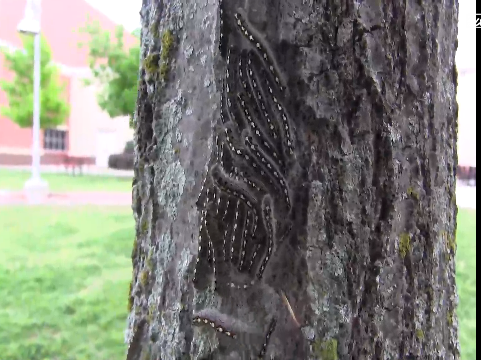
<point>54,109</point>
<point>114,67</point>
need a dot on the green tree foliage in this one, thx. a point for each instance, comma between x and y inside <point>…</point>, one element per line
<point>54,108</point>
<point>114,67</point>
<point>136,33</point>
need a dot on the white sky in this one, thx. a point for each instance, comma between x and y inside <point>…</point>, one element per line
<point>126,12</point>
<point>466,54</point>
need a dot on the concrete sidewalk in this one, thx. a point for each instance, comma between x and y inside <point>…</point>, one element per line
<point>71,198</point>
<point>465,197</point>
<point>90,169</point>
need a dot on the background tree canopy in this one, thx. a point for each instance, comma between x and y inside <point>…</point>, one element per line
<point>54,108</point>
<point>114,67</point>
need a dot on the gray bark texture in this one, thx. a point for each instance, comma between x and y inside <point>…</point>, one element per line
<point>294,190</point>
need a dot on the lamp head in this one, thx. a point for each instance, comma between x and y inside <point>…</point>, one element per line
<point>30,24</point>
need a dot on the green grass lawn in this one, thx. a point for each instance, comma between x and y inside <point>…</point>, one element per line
<point>64,276</point>
<point>65,273</point>
<point>466,282</point>
<point>62,182</point>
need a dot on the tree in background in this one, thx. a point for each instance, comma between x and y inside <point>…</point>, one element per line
<point>136,33</point>
<point>54,108</point>
<point>114,68</point>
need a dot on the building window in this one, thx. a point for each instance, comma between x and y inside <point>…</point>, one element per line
<point>55,139</point>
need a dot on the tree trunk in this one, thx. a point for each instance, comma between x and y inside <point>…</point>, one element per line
<point>294,190</point>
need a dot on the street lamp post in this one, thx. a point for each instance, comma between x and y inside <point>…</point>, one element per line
<point>36,189</point>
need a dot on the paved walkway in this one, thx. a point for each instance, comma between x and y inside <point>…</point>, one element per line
<point>465,197</point>
<point>88,169</point>
<point>71,198</point>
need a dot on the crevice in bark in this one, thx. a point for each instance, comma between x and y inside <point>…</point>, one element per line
<point>145,131</point>
<point>136,347</point>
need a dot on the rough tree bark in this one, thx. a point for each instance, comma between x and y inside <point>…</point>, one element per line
<point>325,131</point>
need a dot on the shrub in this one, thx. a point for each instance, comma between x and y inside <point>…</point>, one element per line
<point>466,173</point>
<point>129,147</point>
<point>122,161</point>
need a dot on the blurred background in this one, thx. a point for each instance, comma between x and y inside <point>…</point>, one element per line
<point>82,44</point>
<point>65,263</point>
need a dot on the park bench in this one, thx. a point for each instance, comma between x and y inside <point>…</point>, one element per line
<point>73,163</point>
<point>467,174</point>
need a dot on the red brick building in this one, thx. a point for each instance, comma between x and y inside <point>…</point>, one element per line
<point>88,132</point>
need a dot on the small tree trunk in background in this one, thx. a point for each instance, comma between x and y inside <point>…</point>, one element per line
<point>326,172</point>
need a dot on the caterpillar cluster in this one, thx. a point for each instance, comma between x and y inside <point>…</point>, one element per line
<point>205,321</point>
<point>270,330</point>
<point>239,203</point>
<point>245,196</point>
<point>215,325</point>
